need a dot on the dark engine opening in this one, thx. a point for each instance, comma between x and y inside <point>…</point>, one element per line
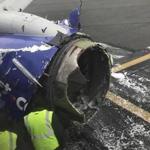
<point>78,78</point>
<point>93,64</point>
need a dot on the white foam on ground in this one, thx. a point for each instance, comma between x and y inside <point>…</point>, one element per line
<point>117,56</point>
<point>136,83</point>
<point>129,137</point>
<point>126,81</point>
<point>118,75</point>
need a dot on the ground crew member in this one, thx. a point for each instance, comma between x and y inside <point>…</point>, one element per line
<point>8,140</point>
<point>39,126</point>
<point>44,128</point>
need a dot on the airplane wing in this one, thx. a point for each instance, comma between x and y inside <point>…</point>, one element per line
<point>14,5</point>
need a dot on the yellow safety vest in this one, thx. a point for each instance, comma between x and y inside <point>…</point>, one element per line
<point>39,126</point>
<point>8,140</point>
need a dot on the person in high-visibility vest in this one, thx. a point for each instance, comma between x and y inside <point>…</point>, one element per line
<point>39,126</point>
<point>8,140</point>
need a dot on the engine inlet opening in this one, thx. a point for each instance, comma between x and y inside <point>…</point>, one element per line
<point>85,96</point>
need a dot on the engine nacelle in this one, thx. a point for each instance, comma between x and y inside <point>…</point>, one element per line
<point>79,77</point>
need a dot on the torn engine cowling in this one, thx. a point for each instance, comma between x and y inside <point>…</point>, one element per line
<point>79,77</point>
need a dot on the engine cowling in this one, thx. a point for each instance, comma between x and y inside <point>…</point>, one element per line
<point>79,77</point>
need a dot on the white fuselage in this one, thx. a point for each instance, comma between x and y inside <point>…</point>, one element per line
<point>27,24</point>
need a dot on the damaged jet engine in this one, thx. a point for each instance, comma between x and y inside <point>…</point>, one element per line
<point>79,76</point>
<point>78,69</point>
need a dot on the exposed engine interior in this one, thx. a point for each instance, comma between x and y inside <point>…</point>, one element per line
<point>86,96</point>
<point>79,79</point>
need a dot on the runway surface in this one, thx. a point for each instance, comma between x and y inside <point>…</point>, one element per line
<point>123,23</point>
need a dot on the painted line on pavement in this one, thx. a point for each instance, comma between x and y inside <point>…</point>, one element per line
<point>131,63</point>
<point>129,106</point>
<point>126,104</point>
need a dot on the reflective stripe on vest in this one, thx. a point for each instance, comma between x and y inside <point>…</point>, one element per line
<point>39,126</point>
<point>8,140</point>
